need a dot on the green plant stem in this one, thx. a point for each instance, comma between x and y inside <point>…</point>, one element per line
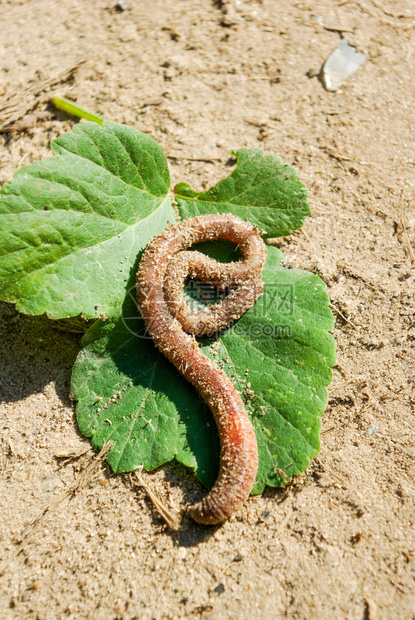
<point>70,108</point>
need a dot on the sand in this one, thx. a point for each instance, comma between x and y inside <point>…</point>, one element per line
<point>204,78</point>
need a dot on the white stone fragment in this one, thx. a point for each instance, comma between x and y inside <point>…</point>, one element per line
<point>340,65</point>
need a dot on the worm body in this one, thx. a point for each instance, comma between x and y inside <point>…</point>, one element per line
<point>163,270</point>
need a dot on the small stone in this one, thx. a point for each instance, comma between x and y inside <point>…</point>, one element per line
<point>48,483</point>
<point>371,430</point>
<point>220,588</point>
<point>333,556</point>
<point>340,65</point>
<point>371,612</point>
<point>128,33</point>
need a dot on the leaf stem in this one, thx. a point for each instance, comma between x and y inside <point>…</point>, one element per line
<point>70,108</point>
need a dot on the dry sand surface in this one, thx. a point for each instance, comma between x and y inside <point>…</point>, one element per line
<point>203,78</point>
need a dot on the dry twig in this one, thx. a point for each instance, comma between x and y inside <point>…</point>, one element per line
<point>342,315</point>
<point>12,449</point>
<point>403,231</point>
<point>170,516</point>
<point>208,160</point>
<point>22,100</point>
<point>71,453</point>
<point>86,476</point>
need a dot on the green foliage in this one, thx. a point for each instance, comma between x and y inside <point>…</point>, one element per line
<point>261,190</point>
<point>278,355</point>
<point>73,226</point>
<point>72,229</point>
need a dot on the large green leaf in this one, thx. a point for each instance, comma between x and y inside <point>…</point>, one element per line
<point>71,227</point>
<point>278,354</point>
<point>71,232</point>
<point>261,189</point>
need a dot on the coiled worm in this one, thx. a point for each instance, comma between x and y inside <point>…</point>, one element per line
<point>163,270</point>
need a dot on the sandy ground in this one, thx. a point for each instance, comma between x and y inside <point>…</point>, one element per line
<point>203,78</point>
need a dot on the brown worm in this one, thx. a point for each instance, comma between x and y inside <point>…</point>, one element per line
<point>162,273</point>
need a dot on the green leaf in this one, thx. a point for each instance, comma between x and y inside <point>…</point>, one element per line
<point>282,351</point>
<point>128,392</point>
<point>72,226</point>
<point>72,229</point>
<point>278,354</point>
<point>261,189</point>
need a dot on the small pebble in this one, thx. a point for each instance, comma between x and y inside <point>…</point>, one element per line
<point>48,483</point>
<point>220,588</point>
<point>371,430</point>
<point>340,65</point>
